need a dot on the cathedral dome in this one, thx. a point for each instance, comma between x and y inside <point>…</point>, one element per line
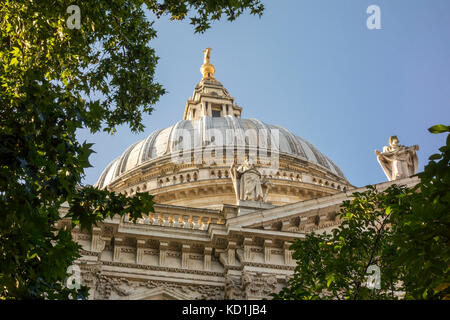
<point>165,142</point>
<point>211,137</point>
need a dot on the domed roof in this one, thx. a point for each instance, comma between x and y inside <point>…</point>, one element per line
<point>212,120</point>
<point>166,142</point>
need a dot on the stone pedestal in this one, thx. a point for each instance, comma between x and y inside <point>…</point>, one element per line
<point>245,206</point>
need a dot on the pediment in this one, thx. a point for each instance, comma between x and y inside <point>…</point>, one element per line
<point>158,294</point>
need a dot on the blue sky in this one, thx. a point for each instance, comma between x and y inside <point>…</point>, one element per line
<point>313,67</point>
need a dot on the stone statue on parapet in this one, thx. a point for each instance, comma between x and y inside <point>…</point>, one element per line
<point>398,161</point>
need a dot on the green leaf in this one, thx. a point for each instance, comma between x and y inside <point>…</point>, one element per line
<point>16,52</point>
<point>388,210</point>
<point>439,128</point>
<point>435,156</point>
<point>330,278</point>
<point>14,62</point>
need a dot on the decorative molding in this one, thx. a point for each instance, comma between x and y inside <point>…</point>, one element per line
<point>89,253</point>
<point>268,266</point>
<point>162,268</point>
<point>278,251</point>
<point>196,257</point>
<point>173,254</point>
<point>128,250</point>
<point>82,236</point>
<point>151,251</point>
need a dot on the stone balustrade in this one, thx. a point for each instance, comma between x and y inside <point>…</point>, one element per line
<point>195,222</point>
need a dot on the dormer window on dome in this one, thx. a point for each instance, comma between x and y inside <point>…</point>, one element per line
<point>210,98</point>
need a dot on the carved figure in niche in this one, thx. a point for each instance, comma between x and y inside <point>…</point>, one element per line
<point>247,181</point>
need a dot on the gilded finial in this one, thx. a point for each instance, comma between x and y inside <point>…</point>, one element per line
<point>207,69</point>
<point>207,55</point>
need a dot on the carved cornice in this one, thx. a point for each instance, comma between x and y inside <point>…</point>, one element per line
<point>267,265</point>
<point>162,268</point>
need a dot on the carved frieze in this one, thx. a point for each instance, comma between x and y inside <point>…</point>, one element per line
<point>233,289</point>
<point>121,287</point>
<point>258,285</point>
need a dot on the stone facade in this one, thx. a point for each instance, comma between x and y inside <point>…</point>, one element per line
<point>207,240</point>
<point>188,253</point>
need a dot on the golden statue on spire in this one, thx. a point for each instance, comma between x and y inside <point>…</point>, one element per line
<point>207,69</point>
<point>207,56</point>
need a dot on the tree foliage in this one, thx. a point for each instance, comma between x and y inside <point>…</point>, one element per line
<point>53,81</point>
<point>403,231</point>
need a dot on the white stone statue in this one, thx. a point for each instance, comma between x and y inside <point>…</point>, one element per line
<point>398,161</point>
<point>247,181</point>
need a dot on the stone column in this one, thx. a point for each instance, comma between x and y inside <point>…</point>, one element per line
<point>163,246</point>
<point>95,239</point>
<point>117,247</point>
<point>247,249</point>
<point>287,253</point>
<point>267,250</point>
<point>140,251</point>
<point>231,252</point>
<point>207,109</point>
<point>185,256</point>
<point>207,258</point>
